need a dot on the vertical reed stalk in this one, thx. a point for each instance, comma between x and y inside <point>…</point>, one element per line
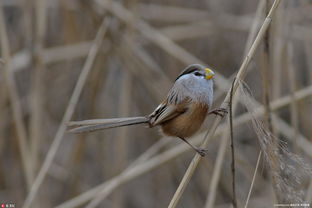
<point>240,75</point>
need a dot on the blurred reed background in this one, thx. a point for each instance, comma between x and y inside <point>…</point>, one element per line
<point>79,59</point>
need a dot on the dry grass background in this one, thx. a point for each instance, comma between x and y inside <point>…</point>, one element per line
<point>77,59</point>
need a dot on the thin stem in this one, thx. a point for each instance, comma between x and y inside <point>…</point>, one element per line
<point>37,83</point>
<point>253,179</point>
<point>234,201</point>
<point>217,170</point>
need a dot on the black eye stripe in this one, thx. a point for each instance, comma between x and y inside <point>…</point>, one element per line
<point>187,71</point>
<point>192,69</point>
<point>198,74</point>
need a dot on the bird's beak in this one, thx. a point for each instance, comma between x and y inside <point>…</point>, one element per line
<point>209,73</point>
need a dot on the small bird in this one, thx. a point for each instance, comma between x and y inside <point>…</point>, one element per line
<point>180,115</point>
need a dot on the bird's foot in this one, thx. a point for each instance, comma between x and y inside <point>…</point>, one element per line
<point>202,152</point>
<point>219,111</point>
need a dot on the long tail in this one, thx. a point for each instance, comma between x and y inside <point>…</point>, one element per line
<point>99,124</point>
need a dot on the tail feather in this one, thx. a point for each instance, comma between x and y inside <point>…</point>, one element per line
<point>99,124</point>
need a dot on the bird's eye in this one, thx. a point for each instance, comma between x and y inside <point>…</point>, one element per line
<point>197,74</point>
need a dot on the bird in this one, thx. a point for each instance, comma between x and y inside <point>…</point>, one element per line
<point>180,115</point>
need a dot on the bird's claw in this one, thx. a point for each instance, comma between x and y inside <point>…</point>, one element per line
<point>219,111</point>
<point>202,152</point>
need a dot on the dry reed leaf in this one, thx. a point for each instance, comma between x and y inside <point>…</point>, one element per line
<point>288,169</point>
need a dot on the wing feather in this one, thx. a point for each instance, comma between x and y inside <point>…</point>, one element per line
<point>166,114</point>
<point>174,105</point>
<point>168,111</point>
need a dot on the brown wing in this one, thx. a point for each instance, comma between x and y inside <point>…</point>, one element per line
<point>174,105</point>
<point>166,111</point>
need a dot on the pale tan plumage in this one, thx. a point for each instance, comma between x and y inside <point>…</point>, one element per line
<point>181,114</point>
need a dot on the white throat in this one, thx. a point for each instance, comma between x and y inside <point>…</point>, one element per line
<point>197,88</point>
